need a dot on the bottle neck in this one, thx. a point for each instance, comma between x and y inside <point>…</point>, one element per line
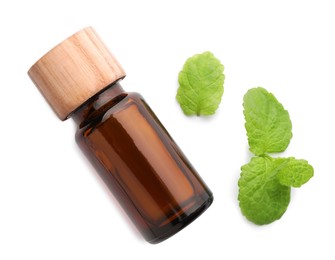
<point>112,93</point>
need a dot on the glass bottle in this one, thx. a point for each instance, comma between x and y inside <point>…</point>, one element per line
<point>120,135</point>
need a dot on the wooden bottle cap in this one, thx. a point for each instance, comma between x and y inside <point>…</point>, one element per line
<point>74,71</point>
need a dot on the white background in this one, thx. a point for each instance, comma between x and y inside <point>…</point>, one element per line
<point>53,205</point>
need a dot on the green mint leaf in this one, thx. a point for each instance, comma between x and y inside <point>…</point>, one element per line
<point>295,173</point>
<point>200,85</point>
<point>268,124</point>
<point>262,198</point>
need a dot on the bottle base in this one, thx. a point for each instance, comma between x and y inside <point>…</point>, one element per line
<point>180,224</point>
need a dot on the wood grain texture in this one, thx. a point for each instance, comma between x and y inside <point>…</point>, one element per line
<point>74,71</point>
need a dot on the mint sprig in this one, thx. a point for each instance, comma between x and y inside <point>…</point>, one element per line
<point>265,182</point>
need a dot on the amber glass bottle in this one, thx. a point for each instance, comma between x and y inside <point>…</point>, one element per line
<point>120,135</point>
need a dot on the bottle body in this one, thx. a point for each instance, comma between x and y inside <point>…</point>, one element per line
<point>140,163</point>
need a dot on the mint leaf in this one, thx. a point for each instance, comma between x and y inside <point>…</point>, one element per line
<point>200,85</point>
<point>268,124</point>
<point>295,173</point>
<point>262,198</point>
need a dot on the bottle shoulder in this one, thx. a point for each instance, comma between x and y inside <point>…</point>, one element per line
<point>107,111</point>
<point>135,96</point>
